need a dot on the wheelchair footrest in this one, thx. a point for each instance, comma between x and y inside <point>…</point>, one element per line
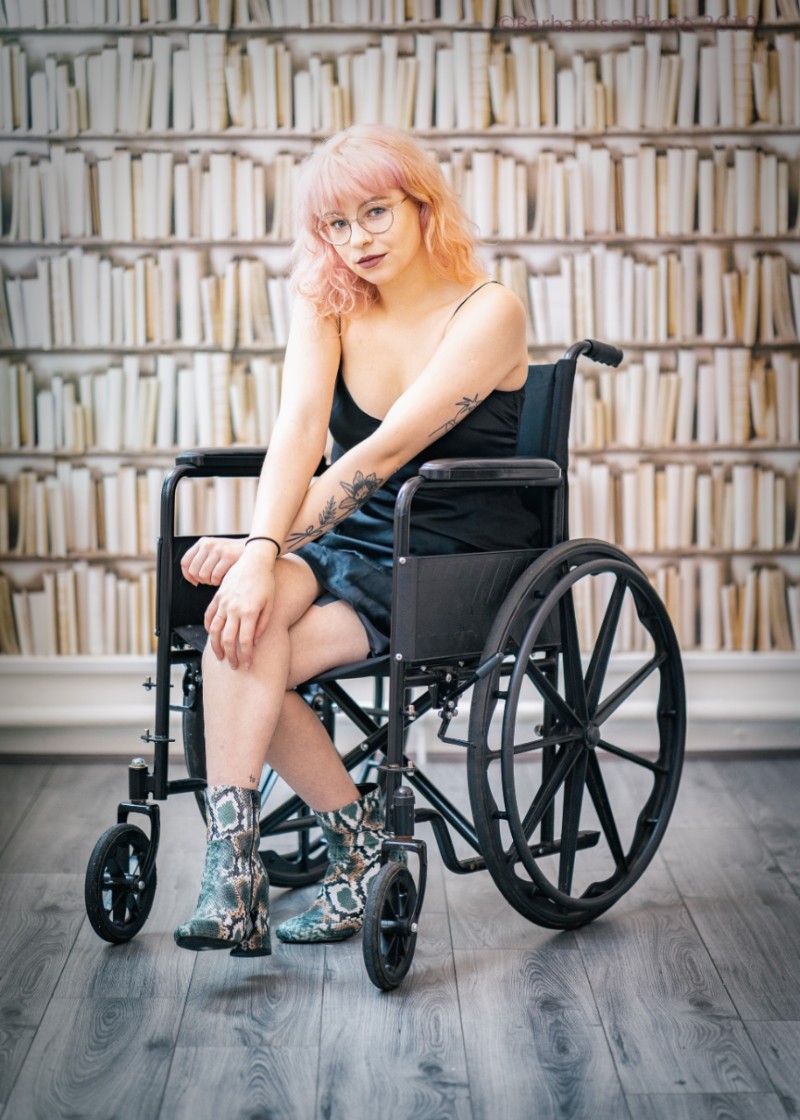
<point>445,844</point>
<point>553,847</point>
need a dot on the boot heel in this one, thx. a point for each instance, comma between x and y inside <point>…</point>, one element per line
<point>258,944</point>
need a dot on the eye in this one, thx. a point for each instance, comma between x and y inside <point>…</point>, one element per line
<point>336,224</point>
<point>376,212</point>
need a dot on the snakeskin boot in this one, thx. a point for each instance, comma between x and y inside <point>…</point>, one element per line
<point>354,835</point>
<point>233,907</point>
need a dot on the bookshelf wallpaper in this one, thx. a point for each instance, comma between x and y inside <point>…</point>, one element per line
<point>633,167</point>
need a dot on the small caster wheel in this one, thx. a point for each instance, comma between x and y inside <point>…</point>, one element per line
<point>118,900</point>
<point>389,935</point>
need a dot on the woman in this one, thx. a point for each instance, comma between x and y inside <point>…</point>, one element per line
<point>403,346</point>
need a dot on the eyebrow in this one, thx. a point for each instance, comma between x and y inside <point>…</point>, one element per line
<point>366,202</point>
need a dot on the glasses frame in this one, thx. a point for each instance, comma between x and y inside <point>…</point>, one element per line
<point>364,206</point>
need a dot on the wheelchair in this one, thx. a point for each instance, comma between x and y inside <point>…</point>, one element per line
<point>550,720</point>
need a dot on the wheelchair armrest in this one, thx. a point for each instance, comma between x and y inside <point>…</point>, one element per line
<point>520,472</point>
<point>249,459</point>
<point>229,460</point>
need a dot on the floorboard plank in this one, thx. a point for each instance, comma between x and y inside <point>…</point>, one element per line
<point>74,805</point>
<point>242,1083</point>
<point>15,1042</point>
<point>19,788</point>
<point>97,1059</point>
<point>778,1045</point>
<point>393,1053</point>
<point>707,1106</point>
<point>534,1045</point>
<point>767,795</point>
<point>670,1022</point>
<point>747,914</point>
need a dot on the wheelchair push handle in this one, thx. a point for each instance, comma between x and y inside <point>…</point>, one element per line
<point>598,351</point>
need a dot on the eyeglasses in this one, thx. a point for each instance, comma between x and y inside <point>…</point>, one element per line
<point>373,217</point>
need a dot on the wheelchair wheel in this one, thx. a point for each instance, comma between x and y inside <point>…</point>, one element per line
<point>578,746</point>
<point>303,858</point>
<point>118,900</point>
<point>389,935</point>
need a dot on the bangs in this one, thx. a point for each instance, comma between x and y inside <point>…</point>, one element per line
<point>338,178</point>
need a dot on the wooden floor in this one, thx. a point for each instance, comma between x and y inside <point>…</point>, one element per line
<point>683,1003</point>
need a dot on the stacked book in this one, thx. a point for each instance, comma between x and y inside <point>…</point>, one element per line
<point>212,84</point>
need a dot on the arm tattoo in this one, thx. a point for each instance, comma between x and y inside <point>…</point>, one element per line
<point>464,406</point>
<point>357,492</point>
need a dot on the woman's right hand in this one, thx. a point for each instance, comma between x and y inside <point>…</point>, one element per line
<point>238,614</point>
<point>210,558</point>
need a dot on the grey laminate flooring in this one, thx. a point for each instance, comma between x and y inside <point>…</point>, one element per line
<point>683,1003</point>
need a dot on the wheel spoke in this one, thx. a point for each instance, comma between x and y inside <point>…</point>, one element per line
<point>543,799</point>
<point>570,820</point>
<point>596,673</point>
<point>562,712</point>
<point>628,687</point>
<point>574,689</point>
<point>647,763</point>
<point>602,805</point>
<point>536,745</point>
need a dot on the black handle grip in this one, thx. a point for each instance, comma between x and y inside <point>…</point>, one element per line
<point>601,352</point>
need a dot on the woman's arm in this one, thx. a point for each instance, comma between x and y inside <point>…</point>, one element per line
<point>479,352</point>
<point>296,446</point>
<point>239,611</point>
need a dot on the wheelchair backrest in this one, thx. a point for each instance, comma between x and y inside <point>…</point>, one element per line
<point>544,427</point>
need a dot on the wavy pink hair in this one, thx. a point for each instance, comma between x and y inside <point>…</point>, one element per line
<point>362,162</point>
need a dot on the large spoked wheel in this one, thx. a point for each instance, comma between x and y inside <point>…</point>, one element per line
<point>389,934</point>
<point>118,899</point>
<point>578,735</point>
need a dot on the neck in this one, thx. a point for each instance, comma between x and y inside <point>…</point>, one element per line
<point>417,288</point>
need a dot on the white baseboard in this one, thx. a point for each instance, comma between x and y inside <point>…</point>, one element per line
<point>88,705</point>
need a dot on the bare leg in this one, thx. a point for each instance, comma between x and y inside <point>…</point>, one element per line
<point>249,715</point>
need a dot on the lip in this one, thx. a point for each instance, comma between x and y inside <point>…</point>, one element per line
<point>371,260</point>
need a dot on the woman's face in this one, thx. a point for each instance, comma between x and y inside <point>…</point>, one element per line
<point>384,234</point>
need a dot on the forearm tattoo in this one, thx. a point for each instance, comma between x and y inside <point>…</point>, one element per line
<point>464,406</point>
<point>357,492</point>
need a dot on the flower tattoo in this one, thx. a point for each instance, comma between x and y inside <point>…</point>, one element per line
<point>360,490</point>
<point>464,406</point>
<point>357,492</point>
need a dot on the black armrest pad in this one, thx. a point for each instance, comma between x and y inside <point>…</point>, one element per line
<point>229,460</point>
<point>521,471</point>
<point>249,459</point>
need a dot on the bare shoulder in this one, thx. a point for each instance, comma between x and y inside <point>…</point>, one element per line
<point>307,319</point>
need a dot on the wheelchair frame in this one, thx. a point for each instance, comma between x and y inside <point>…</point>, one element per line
<point>521,618</point>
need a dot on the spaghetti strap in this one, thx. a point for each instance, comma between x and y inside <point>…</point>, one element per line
<point>471,294</point>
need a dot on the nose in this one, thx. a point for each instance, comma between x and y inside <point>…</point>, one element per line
<point>358,235</point>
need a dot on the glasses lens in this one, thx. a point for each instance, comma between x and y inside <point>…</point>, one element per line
<point>375,218</point>
<point>334,229</point>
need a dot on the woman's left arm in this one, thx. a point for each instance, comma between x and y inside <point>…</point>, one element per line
<point>480,351</point>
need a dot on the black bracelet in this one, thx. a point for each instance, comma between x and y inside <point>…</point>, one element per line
<point>270,539</point>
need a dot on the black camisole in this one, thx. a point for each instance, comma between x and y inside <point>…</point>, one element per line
<point>353,561</point>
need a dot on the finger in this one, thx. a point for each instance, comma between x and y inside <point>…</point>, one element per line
<point>215,636</point>
<point>210,613</point>
<point>230,641</point>
<point>247,627</point>
<point>186,563</point>
<point>208,562</point>
<point>261,623</point>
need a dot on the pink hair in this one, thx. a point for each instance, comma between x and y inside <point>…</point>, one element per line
<point>365,161</point>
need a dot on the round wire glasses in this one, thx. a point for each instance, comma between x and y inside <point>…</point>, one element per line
<point>373,217</point>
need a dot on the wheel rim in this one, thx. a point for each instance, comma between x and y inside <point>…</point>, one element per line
<point>122,900</point>
<point>396,936</point>
<point>570,872</point>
